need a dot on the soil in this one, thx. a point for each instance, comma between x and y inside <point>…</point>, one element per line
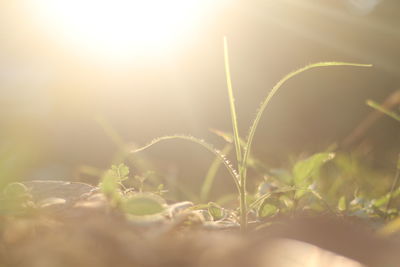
<point>74,226</point>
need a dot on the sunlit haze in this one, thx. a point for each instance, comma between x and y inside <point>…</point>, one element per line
<point>122,29</point>
<point>82,81</point>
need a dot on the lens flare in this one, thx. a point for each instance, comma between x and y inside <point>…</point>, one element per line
<point>122,28</point>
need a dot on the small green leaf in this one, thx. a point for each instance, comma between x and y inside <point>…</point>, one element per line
<point>285,176</point>
<point>120,172</point>
<point>109,185</point>
<point>112,179</point>
<point>216,211</point>
<point>143,204</point>
<point>305,169</point>
<point>266,209</point>
<point>383,200</point>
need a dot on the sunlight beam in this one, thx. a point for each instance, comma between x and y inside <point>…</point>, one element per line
<point>122,28</point>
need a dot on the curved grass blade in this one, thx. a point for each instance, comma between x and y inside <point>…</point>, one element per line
<point>211,173</point>
<point>273,91</point>
<point>201,142</point>
<point>253,162</point>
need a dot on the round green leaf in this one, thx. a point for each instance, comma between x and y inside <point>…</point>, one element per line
<point>142,204</point>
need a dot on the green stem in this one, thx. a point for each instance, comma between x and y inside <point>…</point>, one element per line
<point>236,138</point>
<point>394,184</point>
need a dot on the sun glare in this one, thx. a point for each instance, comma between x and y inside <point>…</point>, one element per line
<point>122,28</point>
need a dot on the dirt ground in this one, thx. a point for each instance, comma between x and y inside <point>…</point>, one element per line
<point>85,232</point>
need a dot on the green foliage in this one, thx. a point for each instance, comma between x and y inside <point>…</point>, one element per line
<point>387,199</point>
<point>302,186</point>
<point>302,172</point>
<point>305,169</point>
<point>128,200</point>
<point>216,211</point>
<point>299,187</point>
<point>143,204</point>
<point>121,172</point>
<point>111,181</point>
<point>266,101</point>
<point>266,210</point>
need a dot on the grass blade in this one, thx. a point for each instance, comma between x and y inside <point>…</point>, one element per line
<point>380,108</point>
<point>201,142</point>
<point>394,185</point>
<point>236,137</point>
<point>273,91</point>
<point>211,173</point>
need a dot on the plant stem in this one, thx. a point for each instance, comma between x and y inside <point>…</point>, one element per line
<point>243,206</point>
<point>235,129</point>
<point>236,138</point>
<point>394,184</point>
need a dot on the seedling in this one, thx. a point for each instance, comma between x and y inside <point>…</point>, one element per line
<point>239,171</point>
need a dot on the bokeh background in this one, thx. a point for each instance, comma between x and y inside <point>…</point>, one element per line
<point>52,96</point>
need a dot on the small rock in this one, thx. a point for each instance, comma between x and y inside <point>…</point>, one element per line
<point>71,192</point>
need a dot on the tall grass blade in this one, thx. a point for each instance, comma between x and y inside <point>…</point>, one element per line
<point>236,138</point>
<point>235,127</point>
